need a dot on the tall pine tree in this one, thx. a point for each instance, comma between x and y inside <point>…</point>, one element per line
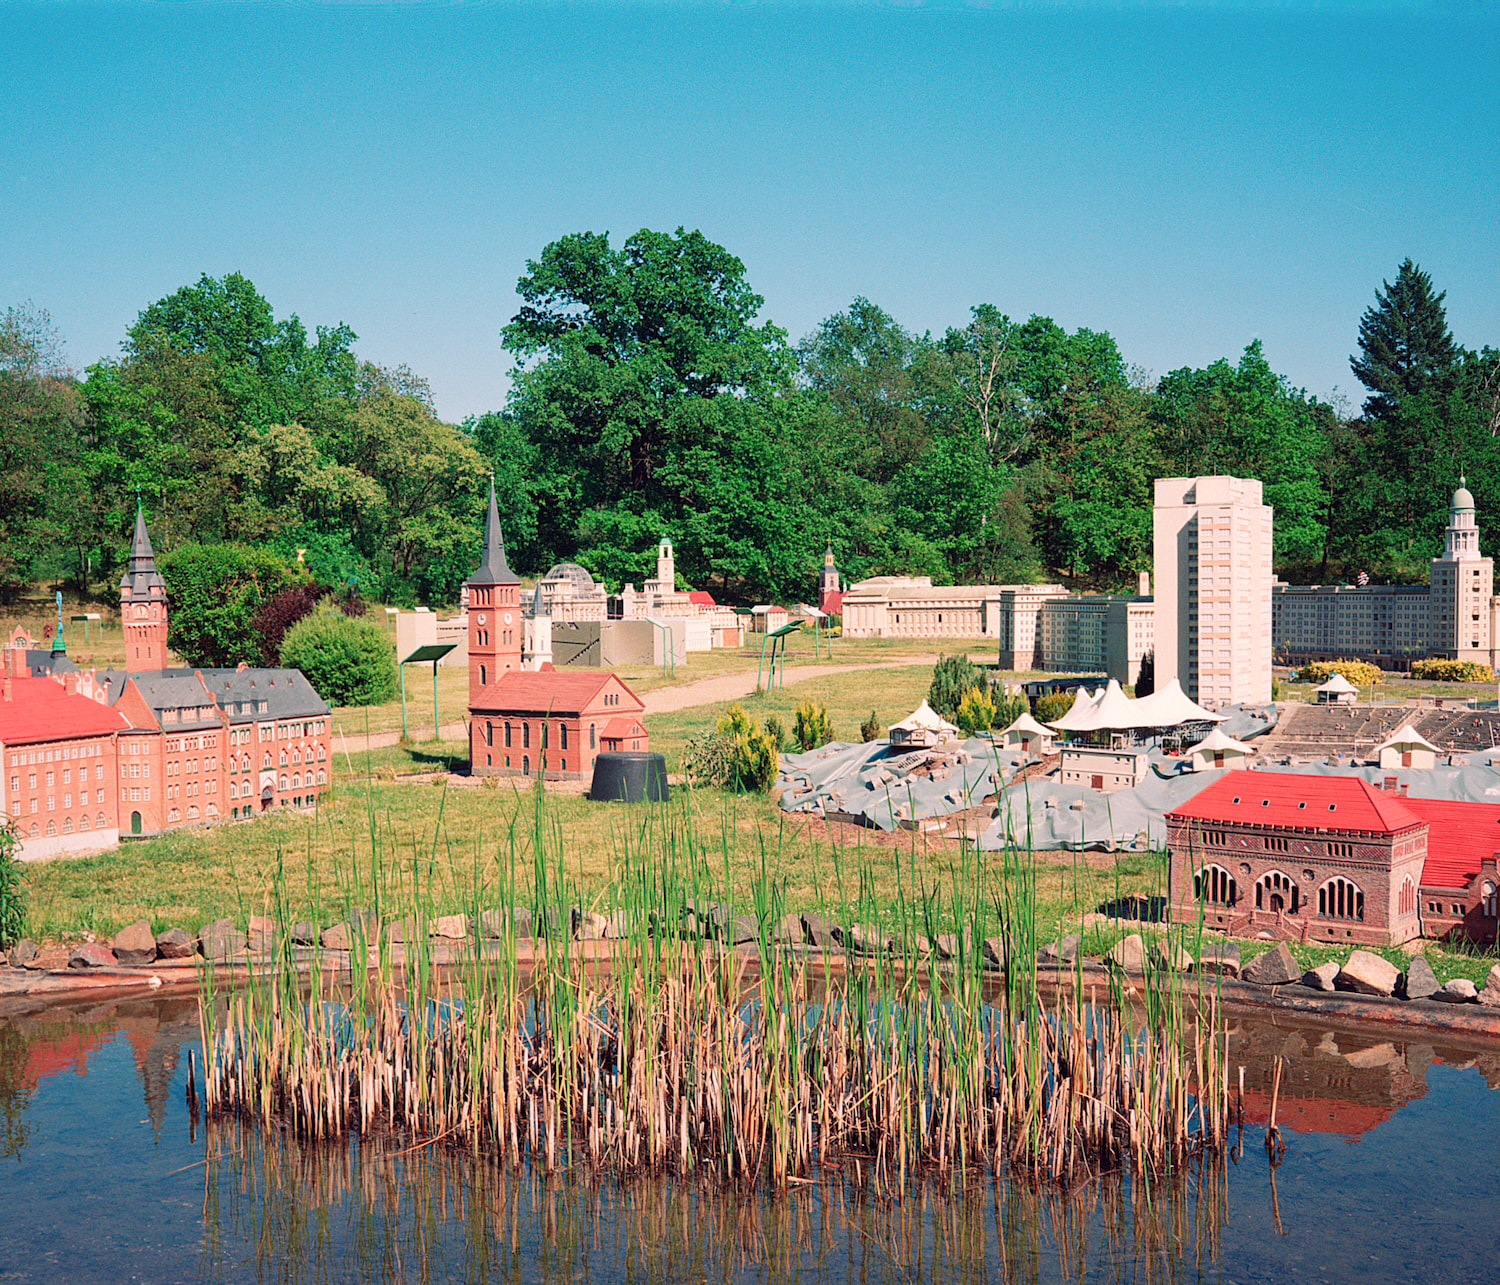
<point>1405,345</point>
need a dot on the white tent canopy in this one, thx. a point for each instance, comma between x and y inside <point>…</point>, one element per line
<point>1338,685</point>
<point>1026,725</point>
<point>1111,710</point>
<point>1218,743</point>
<point>923,726</point>
<point>1406,737</point>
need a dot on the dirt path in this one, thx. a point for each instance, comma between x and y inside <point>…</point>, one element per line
<point>710,691</point>
<point>706,691</point>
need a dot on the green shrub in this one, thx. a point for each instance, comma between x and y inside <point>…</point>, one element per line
<point>1007,708</point>
<point>708,758</point>
<point>870,729</point>
<point>735,722</point>
<point>776,730</point>
<point>1359,672</point>
<point>1053,706</point>
<point>348,660</point>
<point>976,712</point>
<point>756,762</point>
<point>734,754</point>
<point>952,676</point>
<point>1437,670</point>
<point>12,895</point>
<point>811,727</point>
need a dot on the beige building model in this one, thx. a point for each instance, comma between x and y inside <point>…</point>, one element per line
<point>1212,564</point>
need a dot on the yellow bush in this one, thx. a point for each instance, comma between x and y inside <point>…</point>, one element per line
<point>1359,672</point>
<point>1437,670</point>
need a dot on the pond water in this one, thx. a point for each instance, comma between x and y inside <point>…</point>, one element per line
<point>1389,1174</point>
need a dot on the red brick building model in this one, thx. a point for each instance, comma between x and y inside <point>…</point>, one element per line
<point>1321,858</point>
<point>143,603</point>
<point>59,749</point>
<point>495,629</point>
<point>534,722</point>
<point>175,747</point>
<point>531,718</point>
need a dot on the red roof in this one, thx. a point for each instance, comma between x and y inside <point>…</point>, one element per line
<point>1317,1115</point>
<point>1289,799</point>
<point>617,729</point>
<point>1459,837</point>
<point>41,709</point>
<point>541,692</point>
<point>701,597</point>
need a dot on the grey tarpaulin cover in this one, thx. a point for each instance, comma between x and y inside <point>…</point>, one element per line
<point>886,786</point>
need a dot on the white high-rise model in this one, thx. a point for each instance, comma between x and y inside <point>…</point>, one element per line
<point>1458,608</point>
<point>1212,563</point>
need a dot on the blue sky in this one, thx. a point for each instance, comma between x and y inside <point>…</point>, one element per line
<point>1186,177</point>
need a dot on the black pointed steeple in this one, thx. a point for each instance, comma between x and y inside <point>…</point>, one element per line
<point>141,575</point>
<point>493,569</point>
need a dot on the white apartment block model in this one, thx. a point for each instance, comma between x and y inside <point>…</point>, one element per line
<point>1458,609</point>
<point>1212,564</point>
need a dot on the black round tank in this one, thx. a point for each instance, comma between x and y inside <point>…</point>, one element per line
<point>629,776</point>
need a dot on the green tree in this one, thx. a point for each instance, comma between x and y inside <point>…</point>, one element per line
<point>348,660</point>
<point>617,348</point>
<point>39,420</point>
<point>214,593</point>
<point>952,678</point>
<point>1405,349</point>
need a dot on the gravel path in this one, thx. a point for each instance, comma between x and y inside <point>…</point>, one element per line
<point>706,691</point>
<point>711,691</point>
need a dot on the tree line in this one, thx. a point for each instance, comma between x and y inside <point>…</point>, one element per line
<point>648,397</point>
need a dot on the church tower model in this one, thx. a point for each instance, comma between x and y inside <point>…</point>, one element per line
<point>143,604</point>
<point>495,627</point>
<point>1462,581</point>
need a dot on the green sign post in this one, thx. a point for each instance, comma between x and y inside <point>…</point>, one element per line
<point>428,651</point>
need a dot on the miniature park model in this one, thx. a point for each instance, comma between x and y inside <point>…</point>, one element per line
<point>89,756</point>
<point>534,722</point>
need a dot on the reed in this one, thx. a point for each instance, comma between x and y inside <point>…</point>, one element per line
<point>676,1053</point>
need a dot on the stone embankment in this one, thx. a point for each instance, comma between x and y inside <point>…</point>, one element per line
<point>1364,987</point>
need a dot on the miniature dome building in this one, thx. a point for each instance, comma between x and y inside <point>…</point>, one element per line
<point>568,592</point>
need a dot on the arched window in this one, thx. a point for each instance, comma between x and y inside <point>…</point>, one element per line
<point>83,821</point>
<point>1407,903</point>
<point>322,776</point>
<point>1341,899</point>
<point>593,740</point>
<point>173,816</point>
<point>562,735</point>
<point>507,734</point>
<point>1489,900</point>
<point>483,676</point>
<point>266,762</point>
<point>322,753</point>
<point>526,764</point>
<point>489,732</point>
<point>284,781</point>
<point>101,823</point>
<point>525,736</point>
<point>193,813</point>
<point>1276,891</point>
<point>1215,885</point>
<point>67,825</point>
<point>296,754</point>
<point>282,762</point>
<point>296,780</point>
<point>51,828</point>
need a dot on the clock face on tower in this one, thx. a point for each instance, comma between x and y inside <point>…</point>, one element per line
<point>481,617</point>
<point>507,617</point>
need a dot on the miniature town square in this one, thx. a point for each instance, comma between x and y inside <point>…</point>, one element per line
<point>1329,821</point>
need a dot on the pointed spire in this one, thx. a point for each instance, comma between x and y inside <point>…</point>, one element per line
<point>493,568</point>
<point>141,575</point>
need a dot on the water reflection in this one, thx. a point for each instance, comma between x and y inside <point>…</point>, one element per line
<point>1385,1177</point>
<point>383,1210</point>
